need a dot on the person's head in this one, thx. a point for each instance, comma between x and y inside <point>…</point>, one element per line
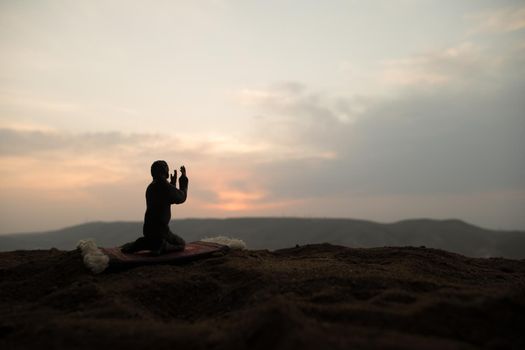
<point>160,169</point>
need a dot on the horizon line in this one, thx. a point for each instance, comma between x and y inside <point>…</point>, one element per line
<point>267,217</point>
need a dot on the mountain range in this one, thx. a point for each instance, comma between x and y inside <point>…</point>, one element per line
<point>277,233</point>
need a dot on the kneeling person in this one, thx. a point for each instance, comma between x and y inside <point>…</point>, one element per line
<point>160,195</point>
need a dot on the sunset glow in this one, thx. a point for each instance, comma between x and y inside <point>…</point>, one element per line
<point>378,110</point>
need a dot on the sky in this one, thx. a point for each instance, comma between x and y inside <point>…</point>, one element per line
<point>379,110</point>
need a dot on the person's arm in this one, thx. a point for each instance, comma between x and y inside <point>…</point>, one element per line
<point>179,195</point>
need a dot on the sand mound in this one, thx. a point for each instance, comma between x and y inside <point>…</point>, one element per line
<point>310,297</point>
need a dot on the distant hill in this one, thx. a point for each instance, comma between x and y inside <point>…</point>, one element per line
<point>276,233</point>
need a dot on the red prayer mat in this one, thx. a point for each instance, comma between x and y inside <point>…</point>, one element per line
<point>193,250</point>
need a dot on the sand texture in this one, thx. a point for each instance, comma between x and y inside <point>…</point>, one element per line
<point>309,297</point>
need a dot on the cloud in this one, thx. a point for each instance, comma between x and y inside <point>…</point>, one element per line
<point>20,142</point>
<point>10,99</point>
<point>292,98</point>
<point>31,140</point>
<point>297,122</point>
<point>507,19</point>
<point>455,66</point>
<point>461,134</point>
<point>418,143</point>
<point>108,171</point>
<point>282,95</point>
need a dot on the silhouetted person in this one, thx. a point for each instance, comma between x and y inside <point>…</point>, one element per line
<point>160,195</point>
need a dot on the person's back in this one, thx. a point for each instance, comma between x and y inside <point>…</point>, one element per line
<point>160,195</point>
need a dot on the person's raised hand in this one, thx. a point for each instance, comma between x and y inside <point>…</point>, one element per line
<point>183,170</point>
<point>173,178</point>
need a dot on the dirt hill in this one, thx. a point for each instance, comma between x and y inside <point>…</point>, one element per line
<point>309,297</point>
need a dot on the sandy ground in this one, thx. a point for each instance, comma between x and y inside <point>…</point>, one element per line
<point>310,297</point>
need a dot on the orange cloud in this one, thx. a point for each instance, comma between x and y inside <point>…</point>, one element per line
<point>232,200</point>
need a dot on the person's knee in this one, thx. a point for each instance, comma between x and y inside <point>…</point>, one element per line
<point>176,240</point>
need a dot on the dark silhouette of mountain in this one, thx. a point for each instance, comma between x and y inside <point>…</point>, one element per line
<point>276,233</point>
<point>309,297</point>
